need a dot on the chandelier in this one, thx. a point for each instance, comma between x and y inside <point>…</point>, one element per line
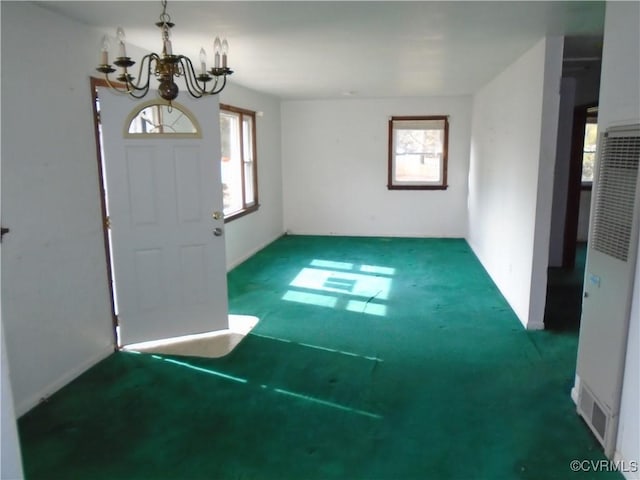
<point>166,67</point>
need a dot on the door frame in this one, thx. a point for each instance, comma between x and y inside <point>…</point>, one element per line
<point>94,84</point>
<point>574,188</point>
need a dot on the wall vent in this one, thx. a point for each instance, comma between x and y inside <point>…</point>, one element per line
<point>616,190</point>
<point>599,420</point>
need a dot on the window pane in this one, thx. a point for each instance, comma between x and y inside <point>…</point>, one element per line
<point>231,162</point>
<point>589,151</point>
<point>248,183</point>
<point>247,145</point>
<point>160,119</point>
<point>418,155</point>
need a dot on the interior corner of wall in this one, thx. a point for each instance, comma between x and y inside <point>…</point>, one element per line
<point>519,313</point>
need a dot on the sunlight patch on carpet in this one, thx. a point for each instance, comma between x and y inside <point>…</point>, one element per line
<point>327,403</point>
<point>281,391</point>
<point>318,347</point>
<point>330,284</point>
<point>213,344</point>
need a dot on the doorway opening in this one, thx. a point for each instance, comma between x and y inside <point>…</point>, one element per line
<point>565,283</point>
<point>573,174</point>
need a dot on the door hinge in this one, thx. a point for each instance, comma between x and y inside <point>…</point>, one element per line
<point>107,223</point>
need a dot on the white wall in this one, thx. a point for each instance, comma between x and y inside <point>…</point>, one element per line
<point>334,155</point>
<point>513,142</point>
<point>55,299</point>
<point>10,455</point>
<point>248,234</point>
<point>620,104</point>
<point>10,458</point>
<point>554,47</point>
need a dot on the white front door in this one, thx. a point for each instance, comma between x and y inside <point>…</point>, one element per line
<point>168,252</point>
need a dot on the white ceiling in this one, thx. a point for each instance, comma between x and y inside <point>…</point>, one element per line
<point>359,49</point>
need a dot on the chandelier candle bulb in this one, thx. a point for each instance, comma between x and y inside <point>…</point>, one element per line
<point>225,49</point>
<point>203,61</point>
<point>104,52</point>
<point>121,38</point>
<point>167,48</point>
<point>217,46</point>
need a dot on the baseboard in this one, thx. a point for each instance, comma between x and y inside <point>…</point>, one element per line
<point>35,399</point>
<point>252,252</point>
<point>374,235</point>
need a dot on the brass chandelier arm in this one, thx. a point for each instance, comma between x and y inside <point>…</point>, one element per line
<point>140,90</point>
<point>136,90</point>
<point>196,84</point>
<point>215,91</point>
<point>190,79</point>
<point>126,88</point>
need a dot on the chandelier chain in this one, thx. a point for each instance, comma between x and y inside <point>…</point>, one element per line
<point>165,18</point>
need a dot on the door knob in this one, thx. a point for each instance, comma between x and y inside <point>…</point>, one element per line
<point>217,232</point>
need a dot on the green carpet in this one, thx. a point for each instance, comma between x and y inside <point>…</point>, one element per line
<point>374,358</point>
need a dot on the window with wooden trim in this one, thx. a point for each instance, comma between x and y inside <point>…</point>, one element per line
<point>418,148</point>
<point>589,147</point>
<point>238,162</point>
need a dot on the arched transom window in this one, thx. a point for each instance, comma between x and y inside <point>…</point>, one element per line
<point>159,118</point>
